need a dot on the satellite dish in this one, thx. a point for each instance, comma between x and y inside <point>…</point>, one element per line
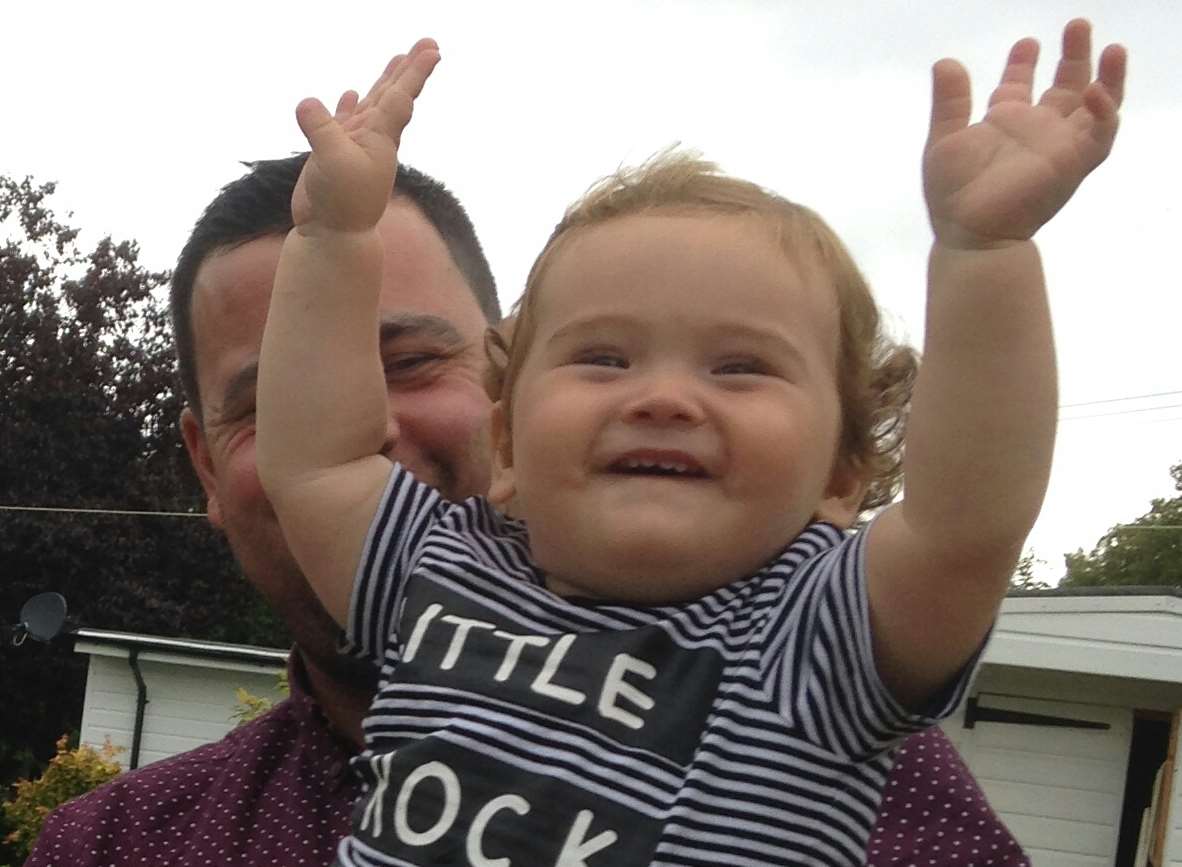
<point>43,616</point>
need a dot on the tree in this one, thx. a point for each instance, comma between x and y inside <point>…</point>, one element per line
<point>1146,552</point>
<point>1024,577</point>
<point>88,415</point>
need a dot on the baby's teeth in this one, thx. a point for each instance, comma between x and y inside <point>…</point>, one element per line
<point>634,464</point>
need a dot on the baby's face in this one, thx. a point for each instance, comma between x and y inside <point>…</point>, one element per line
<point>676,420</point>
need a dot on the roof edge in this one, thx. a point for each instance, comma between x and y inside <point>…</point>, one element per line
<point>183,646</point>
<point>1105,590</point>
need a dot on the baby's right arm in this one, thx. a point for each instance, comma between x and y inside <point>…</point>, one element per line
<point>322,414</point>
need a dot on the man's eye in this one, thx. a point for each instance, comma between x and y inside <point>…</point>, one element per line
<point>408,363</point>
<point>239,429</point>
<point>239,416</point>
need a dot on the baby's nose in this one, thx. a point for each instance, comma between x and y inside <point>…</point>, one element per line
<point>666,400</point>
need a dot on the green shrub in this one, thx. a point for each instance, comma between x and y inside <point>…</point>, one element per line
<point>250,707</point>
<point>72,772</point>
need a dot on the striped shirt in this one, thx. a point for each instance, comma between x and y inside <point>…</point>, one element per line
<point>515,728</point>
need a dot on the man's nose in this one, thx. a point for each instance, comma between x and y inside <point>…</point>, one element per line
<point>390,443</point>
<point>666,398</point>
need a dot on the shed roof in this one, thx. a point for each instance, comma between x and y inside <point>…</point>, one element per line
<point>104,642</point>
<point>1135,634</point>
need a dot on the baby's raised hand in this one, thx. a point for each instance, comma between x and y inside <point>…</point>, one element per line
<point>999,180</point>
<point>346,183</point>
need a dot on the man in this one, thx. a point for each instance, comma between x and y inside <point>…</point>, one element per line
<point>278,790</point>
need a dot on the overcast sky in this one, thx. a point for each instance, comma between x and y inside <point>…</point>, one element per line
<point>141,111</point>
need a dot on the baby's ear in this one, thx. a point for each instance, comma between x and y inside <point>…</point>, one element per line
<point>842,501</point>
<point>503,485</point>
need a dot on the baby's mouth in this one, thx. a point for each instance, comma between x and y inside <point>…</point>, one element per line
<point>669,465</point>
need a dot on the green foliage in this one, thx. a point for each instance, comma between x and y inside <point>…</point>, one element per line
<point>1024,577</point>
<point>88,413</point>
<point>1146,552</point>
<point>250,707</point>
<point>72,772</point>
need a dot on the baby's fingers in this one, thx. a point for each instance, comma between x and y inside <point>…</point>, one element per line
<point>346,105</point>
<point>1114,61</point>
<point>1098,118</point>
<point>397,101</point>
<point>393,72</point>
<point>1104,120</point>
<point>411,72</point>
<point>1017,79</point>
<point>1074,71</point>
<point>378,87</point>
<point>320,128</point>
<point>952,100</point>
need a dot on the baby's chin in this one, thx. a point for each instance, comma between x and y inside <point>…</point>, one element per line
<point>658,580</point>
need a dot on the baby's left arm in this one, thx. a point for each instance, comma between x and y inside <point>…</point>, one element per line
<point>982,427</point>
<point>322,419</point>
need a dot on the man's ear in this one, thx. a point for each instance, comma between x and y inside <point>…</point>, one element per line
<point>198,449</point>
<point>503,485</point>
<point>843,497</point>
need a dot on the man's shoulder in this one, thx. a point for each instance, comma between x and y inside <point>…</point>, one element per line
<point>171,792</point>
<point>195,769</point>
<point>931,800</point>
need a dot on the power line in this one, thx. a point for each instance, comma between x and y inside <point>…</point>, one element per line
<point>103,511</point>
<point>1119,399</point>
<point>156,514</point>
<point>1120,411</point>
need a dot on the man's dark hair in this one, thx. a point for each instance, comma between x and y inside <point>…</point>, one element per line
<point>258,205</point>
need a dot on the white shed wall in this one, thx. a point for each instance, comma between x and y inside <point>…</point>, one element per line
<point>188,705</point>
<point>1059,790</point>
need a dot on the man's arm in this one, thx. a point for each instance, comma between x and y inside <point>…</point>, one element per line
<point>981,434</point>
<point>322,413</point>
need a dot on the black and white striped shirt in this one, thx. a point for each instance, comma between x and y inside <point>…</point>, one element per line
<point>514,728</point>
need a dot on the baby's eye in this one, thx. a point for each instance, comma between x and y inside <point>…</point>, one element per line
<point>600,358</point>
<point>741,366</point>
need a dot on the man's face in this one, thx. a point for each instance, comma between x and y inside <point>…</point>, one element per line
<point>432,347</point>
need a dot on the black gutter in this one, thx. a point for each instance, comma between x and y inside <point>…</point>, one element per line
<point>141,701</point>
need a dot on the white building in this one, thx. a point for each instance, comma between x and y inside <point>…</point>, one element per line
<point>156,697</point>
<point>1072,725</point>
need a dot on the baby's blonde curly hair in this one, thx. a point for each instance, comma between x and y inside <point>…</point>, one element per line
<point>875,374</point>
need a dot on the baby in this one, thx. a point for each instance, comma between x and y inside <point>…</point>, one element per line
<point>674,653</point>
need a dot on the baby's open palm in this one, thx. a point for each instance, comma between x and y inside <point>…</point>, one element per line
<point>1000,179</point>
<point>346,183</point>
